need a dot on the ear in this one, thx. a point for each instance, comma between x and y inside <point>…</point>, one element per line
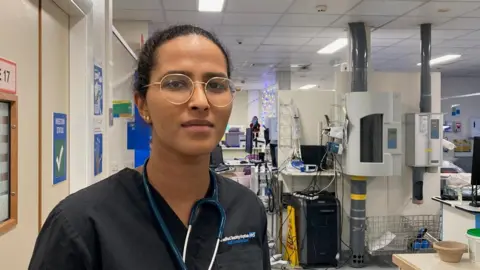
<point>141,103</point>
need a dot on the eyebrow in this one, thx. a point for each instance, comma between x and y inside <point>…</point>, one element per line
<point>205,76</point>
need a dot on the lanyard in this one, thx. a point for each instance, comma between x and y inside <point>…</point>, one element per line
<point>181,258</point>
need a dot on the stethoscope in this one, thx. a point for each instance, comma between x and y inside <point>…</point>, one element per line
<point>212,200</point>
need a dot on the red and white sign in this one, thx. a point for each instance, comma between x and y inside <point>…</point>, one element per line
<point>8,76</point>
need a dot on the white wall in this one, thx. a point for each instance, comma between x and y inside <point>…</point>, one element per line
<point>453,91</point>
<point>22,17</point>
<point>132,31</point>
<point>55,86</point>
<point>90,43</point>
<point>392,195</point>
<point>245,106</point>
<point>124,65</point>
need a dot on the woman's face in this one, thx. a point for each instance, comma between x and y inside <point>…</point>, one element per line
<point>200,59</point>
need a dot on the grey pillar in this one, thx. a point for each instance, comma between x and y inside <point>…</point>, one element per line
<point>359,45</point>
<point>284,80</point>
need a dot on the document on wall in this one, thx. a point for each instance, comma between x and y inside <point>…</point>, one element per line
<point>98,90</point>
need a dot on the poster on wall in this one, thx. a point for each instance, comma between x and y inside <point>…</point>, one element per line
<point>98,90</point>
<point>122,109</point>
<point>59,147</point>
<point>98,153</point>
<point>8,76</point>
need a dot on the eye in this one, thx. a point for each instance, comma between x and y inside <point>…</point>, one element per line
<point>175,83</point>
<point>218,85</point>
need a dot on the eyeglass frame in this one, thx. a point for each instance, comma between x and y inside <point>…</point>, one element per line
<point>159,83</point>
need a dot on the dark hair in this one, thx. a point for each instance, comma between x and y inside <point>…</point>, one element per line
<point>147,58</point>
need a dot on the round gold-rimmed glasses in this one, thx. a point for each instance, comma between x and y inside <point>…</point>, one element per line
<point>179,88</point>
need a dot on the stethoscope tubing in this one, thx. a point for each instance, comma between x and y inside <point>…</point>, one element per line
<point>181,258</point>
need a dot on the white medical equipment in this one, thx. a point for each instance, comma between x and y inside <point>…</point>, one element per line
<point>385,108</point>
<point>424,139</point>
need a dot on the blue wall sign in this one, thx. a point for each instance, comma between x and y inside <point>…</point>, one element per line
<point>97,90</point>
<point>98,153</point>
<point>59,147</point>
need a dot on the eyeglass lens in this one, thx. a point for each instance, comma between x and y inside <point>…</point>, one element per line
<point>179,88</point>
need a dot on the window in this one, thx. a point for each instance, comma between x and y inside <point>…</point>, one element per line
<point>8,162</point>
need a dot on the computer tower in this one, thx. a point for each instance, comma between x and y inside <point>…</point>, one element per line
<point>318,231</point>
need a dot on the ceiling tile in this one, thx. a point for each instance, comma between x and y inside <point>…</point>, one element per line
<point>371,21</point>
<point>382,7</point>
<point>186,5</point>
<point>393,33</point>
<point>275,52</point>
<point>461,24</point>
<point>459,43</point>
<point>452,9</point>
<point>194,17</point>
<point>384,41</point>
<point>138,15</point>
<point>309,49</point>
<point>144,4</point>
<point>263,6</point>
<point>333,33</point>
<point>152,27</point>
<point>306,20</point>
<point>473,35</point>
<point>285,41</point>
<point>398,51</point>
<point>320,42</point>
<point>242,48</point>
<point>277,48</point>
<point>408,22</point>
<point>444,34</point>
<point>283,31</point>
<point>237,30</point>
<point>250,19</point>
<point>333,6</point>
<point>474,14</point>
<point>244,40</point>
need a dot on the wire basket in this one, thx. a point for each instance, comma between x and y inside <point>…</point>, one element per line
<point>386,235</point>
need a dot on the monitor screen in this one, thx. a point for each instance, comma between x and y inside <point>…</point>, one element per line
<point>249,141</point>
<point>216,156</point>
<point>476,162</point>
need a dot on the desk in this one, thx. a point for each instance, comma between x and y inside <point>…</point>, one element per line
<point>236,152</point>
<point>430,261</point>
<point>457,218</point>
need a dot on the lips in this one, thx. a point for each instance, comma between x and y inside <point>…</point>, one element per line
<point>198,123</point>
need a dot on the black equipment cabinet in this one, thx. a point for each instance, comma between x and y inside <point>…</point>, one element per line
<point>318,231</point>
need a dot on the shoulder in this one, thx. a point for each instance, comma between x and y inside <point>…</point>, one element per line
<point>82,206</point>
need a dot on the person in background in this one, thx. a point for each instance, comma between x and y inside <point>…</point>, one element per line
<point>173,212</point>
<point>255,126</point>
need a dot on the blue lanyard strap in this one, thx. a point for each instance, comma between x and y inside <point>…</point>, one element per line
<point>160,220</point>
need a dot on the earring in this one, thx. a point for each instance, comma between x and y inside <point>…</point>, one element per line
<point>147,118</point>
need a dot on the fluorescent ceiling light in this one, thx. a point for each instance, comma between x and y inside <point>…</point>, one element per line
<point>210,5</point>
<point>442,59</point>
<point>334,46</point>
<point>307,86</point>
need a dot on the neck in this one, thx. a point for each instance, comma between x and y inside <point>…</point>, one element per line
<point>178,178</point>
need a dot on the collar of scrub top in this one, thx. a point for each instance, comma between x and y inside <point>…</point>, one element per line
<point>213,200</point>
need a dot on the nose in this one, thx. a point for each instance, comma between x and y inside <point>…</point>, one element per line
<point>199,101</point>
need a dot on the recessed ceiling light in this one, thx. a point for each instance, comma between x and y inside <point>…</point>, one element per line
<point>442,59</point>
<point>307,86</point>
<point>210,5</point>
<point>334,46</point>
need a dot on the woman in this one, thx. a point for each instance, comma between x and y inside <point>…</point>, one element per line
<point>140,219</point>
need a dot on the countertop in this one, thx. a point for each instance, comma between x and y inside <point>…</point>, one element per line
<point>430,261</point>
<point>464,205</point>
